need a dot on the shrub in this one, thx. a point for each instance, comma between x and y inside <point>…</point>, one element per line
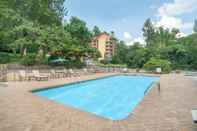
<point>104,62</point>
<point>8,57</point>
<point>73,64</point>
<point>112,65</point>
<point>29,60</point>
<point>77,64</point>
<point>4,58</point>
<point>154,63</point>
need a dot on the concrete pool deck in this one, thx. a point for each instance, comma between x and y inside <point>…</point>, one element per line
<point>169,110</point>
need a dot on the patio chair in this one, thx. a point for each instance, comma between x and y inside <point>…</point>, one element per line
<point>72,73</point>
<point>53,74</point>
<point>22,75</point>
<point>92,70</point>
<point>125,70</point>
<point>194,115</point>
<point>85,71</point>
<point>158,70</point>
<point>66,73</point>
<point>38,76</point>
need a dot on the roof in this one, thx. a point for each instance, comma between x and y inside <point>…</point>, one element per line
<point>100,35</point>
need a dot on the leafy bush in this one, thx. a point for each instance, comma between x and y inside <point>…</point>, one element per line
<point>29,60</point>
<point>79,64</point>
<point>8,57</point>
<point>4,58</point>
<point>154,63</point>
<point>137,58</point>
<point>104,62</point>
<point>75,63</point>
<point>112,65</point>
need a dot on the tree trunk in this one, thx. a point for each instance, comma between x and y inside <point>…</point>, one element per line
<point>41,52</point>
<point>25,51</point>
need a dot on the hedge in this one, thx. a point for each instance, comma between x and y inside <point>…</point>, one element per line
<point>154,63</point>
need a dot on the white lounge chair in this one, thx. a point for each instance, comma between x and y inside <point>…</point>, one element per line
<point>38,76</point>
<point>194,115</point>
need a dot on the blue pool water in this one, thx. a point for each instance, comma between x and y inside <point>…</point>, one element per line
<point>111,97</point>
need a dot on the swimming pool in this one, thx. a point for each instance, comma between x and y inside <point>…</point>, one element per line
<point>112,97</point>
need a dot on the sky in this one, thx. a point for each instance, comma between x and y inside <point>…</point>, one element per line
<point>126,17</point>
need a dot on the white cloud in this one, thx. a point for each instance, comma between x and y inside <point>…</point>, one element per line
<point>130,40</point>
<point>178,7</point>
<point>169,22</point>
<point>127,35</point>
<point>180,35</point>
<point>169,12</point>
<point>138,39</point>
<point>173,22</point>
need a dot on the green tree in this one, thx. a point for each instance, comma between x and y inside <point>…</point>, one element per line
<point>20,16</point>
<point>137,56</point>
<point>195,26</point>
<point>148,32</point>
<point>190,45</point>
<point>45,12</point>
<point>162,39</point>
<point>79,32</point>
<point>81,38</point>
<point>96,31</point>
<point>120,53</point>
<point>25,36</point>
<point>33,26</point>
<point>176,54</point>
<point>54,39</point>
